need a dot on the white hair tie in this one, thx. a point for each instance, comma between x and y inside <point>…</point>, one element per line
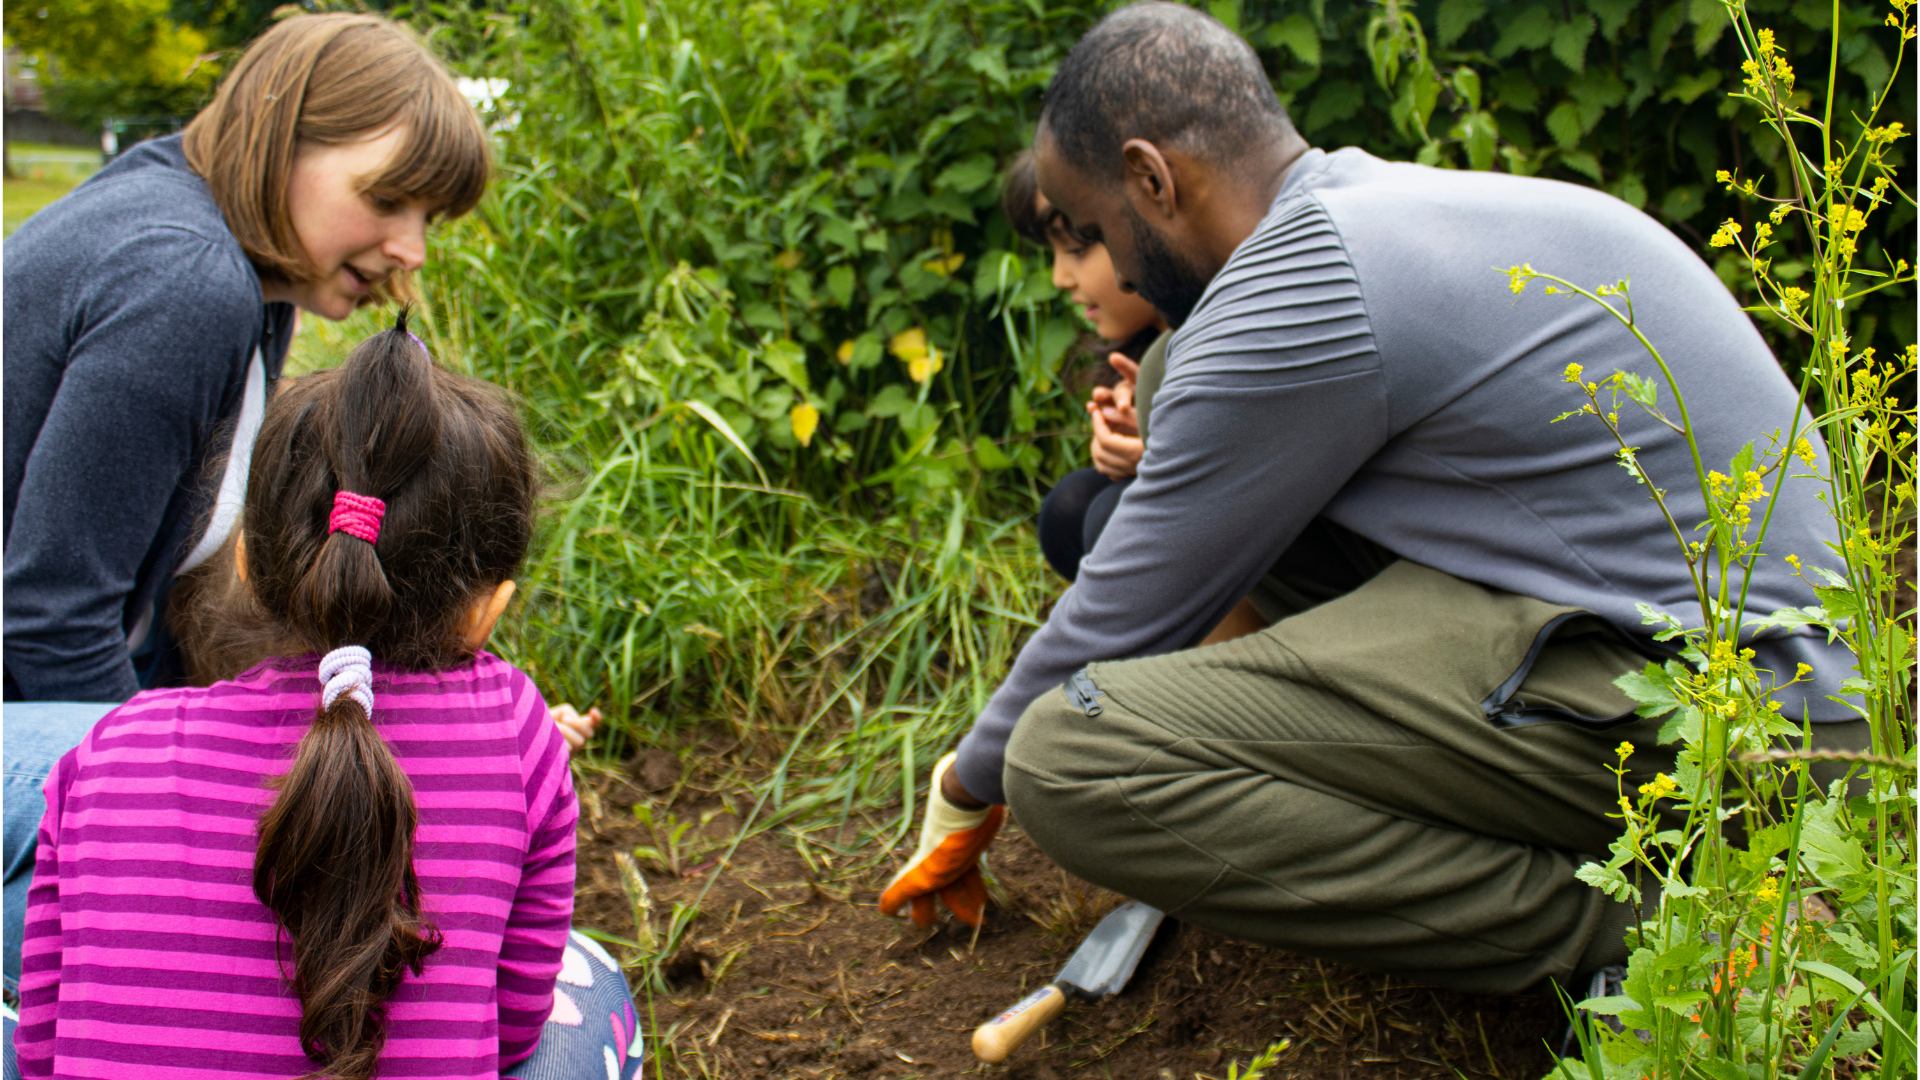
<point>348,670</point>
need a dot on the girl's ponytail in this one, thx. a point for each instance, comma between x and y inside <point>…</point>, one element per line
<point>335,865</point>
<point>351,483</point>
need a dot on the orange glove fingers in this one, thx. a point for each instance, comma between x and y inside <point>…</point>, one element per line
<point>967,897</point>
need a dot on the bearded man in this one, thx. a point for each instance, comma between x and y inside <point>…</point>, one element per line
<point>1406,768</point>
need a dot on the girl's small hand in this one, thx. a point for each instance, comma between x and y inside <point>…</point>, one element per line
<point>574,727</point>
<point>1128,368</point>
<point>1116,456</point>
<point>1115,405</point>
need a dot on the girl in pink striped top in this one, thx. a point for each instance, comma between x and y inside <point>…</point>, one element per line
<point>356,858</point>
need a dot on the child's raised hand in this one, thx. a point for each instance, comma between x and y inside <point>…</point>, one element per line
<point>1116,455</point>
<point>575,727</point>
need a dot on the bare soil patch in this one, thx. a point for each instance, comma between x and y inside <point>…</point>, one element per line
<point>790,970</point>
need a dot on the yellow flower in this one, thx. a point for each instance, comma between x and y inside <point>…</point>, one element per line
<point>1768,892</point>
<point>1659,787</point>
<point>1624,751</point>
<point>806,420</point>
<point>1802,672</point>
<point>1803,450</point>
<point>844,353</point>
<point>1518,276</point>
<point>946,265</point>
<point>922,368</point>
<point>909,345</point>
<point>1725,236</point>
<point>1572,374</point>
<point>1723,176</point>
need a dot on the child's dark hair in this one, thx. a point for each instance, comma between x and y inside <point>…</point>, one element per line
<point>1020,198</point>
<point>447,455</point>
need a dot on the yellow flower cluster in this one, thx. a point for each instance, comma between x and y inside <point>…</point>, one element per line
<point>1727,235</point>
<point>1771,60</point>
<point>1659,787</point>
<point>922,359</point>
<point>1768,892</point>
<point>1518,276</point>
<point>1623,751</point>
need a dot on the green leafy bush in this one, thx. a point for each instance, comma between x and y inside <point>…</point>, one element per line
<point>780,223</point>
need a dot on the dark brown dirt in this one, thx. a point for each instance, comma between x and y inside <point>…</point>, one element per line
<point>790,971</point>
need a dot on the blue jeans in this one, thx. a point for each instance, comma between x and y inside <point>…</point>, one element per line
<point>33,736</point>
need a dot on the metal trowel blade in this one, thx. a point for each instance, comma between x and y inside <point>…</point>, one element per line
<point>1105,961</point>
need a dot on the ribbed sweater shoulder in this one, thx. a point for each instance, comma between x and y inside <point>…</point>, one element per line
<point>146,952</point>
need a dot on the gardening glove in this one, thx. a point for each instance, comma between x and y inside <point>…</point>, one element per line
<point>947,861</point>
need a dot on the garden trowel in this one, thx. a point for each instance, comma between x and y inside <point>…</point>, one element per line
<point>1099,968</point>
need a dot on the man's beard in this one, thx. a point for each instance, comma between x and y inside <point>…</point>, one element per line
<point>1170,283</point>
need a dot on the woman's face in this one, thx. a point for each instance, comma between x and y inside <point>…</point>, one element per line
<point>355,235</point>
<point>1085,272</point>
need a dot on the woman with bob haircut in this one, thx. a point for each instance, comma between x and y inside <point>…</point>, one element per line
<point>147,316</point>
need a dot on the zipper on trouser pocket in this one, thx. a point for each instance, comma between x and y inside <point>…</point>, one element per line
<point>1083,694</point>
<point>1502,711</point>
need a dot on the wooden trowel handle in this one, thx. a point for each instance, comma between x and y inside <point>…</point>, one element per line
<point>995,1039</point>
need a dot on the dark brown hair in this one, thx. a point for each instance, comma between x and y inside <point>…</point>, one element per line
<point>332,79</point>
<point>1020,201</point>
<point>447,455</point>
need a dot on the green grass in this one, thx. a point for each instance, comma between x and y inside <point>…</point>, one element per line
<point>26,198</point>
<point>43,173</point>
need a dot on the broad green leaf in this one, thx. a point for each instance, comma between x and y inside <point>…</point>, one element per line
<point>1570,42</point>
<point>1651,688</point>
<point>1466,83</point>
<point>1563,123</point>
<point>991,62</point>
<point>1691,85</point>
<point>988,455</point>
<point>1531,29</point>
<point>789,361</point>
<point>1336,100</point>
<point>891,401</point>
<point>840,284</point>
<point>1613,15</point>
<point>1582,162</point>
<point>1456,17</point>
<point>967,176</point>
<point>1300,37</point>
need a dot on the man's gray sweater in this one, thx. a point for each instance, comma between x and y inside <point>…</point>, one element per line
<point>1361,357</point>
<point>132,315</point>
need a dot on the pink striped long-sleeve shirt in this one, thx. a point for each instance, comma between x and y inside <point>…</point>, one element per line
<point>147,954</point>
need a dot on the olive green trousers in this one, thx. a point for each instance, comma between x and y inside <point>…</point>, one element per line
<point>1404,777</point>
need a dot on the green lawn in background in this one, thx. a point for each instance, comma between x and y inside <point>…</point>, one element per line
<point>43,173</point>
<point>26,197</point>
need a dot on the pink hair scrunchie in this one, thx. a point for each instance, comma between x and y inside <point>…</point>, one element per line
<point>356,515</point>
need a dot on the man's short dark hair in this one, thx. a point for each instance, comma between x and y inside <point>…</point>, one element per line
<point>1165,73</point>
